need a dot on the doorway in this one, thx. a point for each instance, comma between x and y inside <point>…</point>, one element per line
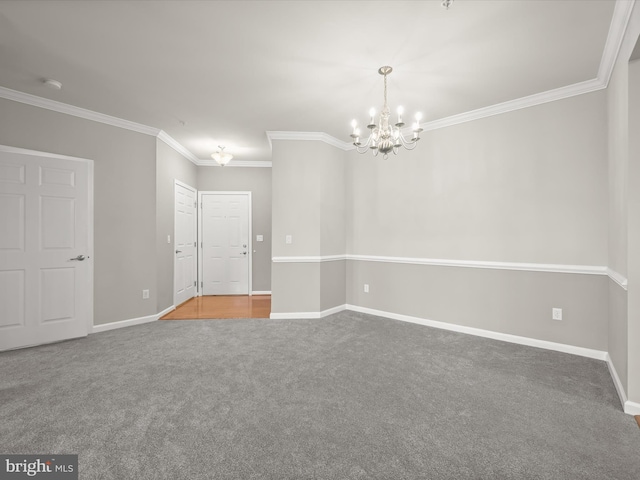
<point>225,243</point>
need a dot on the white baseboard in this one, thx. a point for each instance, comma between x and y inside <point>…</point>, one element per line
<point>261,292</point>
<point>302,315</point>
<point>617,383</point>
<point>631,408</point>
<point>131,322</point>
<point>505,337</point>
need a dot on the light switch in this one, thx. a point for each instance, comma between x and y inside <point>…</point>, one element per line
<point>259,238</point>
<point>288,239</point>
<point>168,238</point>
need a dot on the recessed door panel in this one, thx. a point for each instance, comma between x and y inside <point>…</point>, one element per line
<point>12,217</point>
<point>12,173</point>
<point>57,294</point>
<point>57,176</point>
<point>57,222</point>
<point>12,292</point>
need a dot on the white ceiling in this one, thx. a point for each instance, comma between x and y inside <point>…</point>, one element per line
<point>232,70</point>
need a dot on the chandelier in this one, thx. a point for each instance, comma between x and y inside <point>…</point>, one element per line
<point>383,137</point>
<point>222,157</point>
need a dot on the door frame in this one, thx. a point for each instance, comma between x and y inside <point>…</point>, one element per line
<point>90,216</point>
<point>177,183</point>
<point>250,234</point>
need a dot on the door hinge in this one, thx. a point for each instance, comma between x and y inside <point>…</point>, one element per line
<point>195,284</point>
<point>194,244</point>
<point>201,286</point>
<point>195,204</point>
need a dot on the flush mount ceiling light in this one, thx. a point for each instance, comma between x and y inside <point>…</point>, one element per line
<point>385,138</point>
<point>53,84</point>
<point>447,3</point>
<point>222,157</point>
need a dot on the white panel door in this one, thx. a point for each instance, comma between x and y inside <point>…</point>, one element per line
<point>45,267</point>
<point>225,244</point>
<point>185,267</point>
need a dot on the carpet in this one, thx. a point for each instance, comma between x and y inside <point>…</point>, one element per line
<point>350,396</point>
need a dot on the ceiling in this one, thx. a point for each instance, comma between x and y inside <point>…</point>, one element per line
<point>214,73</point>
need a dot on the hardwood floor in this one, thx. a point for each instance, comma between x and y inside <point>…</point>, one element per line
<point>222,306</point>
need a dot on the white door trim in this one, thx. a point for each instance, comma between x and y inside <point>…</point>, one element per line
<point>250,245</point>
<point>90,208</point>
<point>177,183</point>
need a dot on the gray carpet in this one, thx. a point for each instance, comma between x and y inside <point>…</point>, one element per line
<point>350,396</point>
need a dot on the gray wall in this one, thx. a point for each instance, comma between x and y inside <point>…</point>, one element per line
<point>258,182</point>
<point>524,186</point>
<point>170,166</point>
<point>124,196</point>
<point>308,204</point>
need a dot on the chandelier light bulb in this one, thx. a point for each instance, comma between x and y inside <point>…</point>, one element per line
<point>400,112</point>
<point>418,117</point>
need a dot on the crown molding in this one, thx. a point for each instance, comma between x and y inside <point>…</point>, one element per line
<point>67,109</point>
<point>517,104</point>
<point>166,138</point>
<point>619,22</point>
<point>235,163</point>
<point>309,136</point>
<point>618,278</point>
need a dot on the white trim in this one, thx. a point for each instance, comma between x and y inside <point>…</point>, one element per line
<point>132,321</point>
<point>619,22</point>
<point>616,381</point>
<point>505,337</point>
<point>261,292</point>
<point>166,138</point>
<point>306,315</point>
<point>631,408</point>
<point>561,93</point>
<point>617,277</point>
<point>309,259</point>
<point>24,151</point>
<point>67,109</point>
<point>310,136</point>
<point>528,267</point>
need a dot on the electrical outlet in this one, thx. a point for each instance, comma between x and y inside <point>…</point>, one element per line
<point>145,294</point>
<point>556,313</point>
<point>366,288</point>
<point>259,238</point>
<point>288,239</point>
<point>168,238</point>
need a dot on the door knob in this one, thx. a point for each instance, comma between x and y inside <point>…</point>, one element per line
<point>79,258</point>
<point>178,251</point>
<point>244,253</point>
